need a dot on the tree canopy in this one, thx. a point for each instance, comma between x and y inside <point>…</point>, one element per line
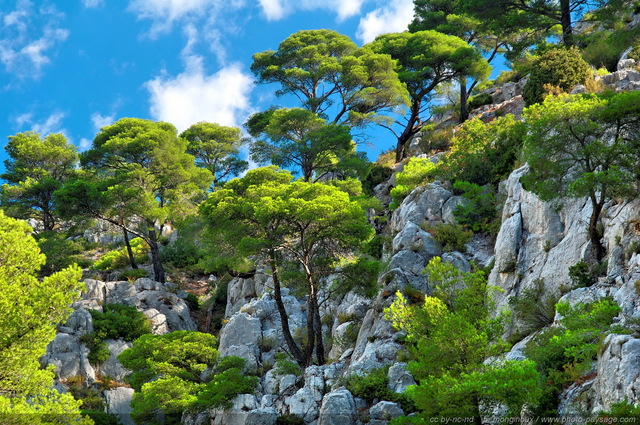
<point>36,168</point>
<point>31,309</point>
<point>301,228</point>
<point>426,59</point>
<point>584,145</point>
<point>216,148</point>
<point>332,77</point>
<point>149,174</point>
<point>298,137</point>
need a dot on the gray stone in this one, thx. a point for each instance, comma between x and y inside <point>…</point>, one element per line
<point>303,404</point>
<point>118,403</point>
<point>171,306</point>
<point>413,238</point>
<point>158,321</point>
<point>399,378</point>
<point>80,322</point>
<point>338,408</point>
<point>241,329</point>
<point>121,293</point>
<point>423,203</point>
<point>112,366</point>
<point>386,410</point>
<point>618,372</point>
<point>69,358</point>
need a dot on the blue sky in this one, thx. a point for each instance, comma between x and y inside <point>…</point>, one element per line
<point>73,66</point>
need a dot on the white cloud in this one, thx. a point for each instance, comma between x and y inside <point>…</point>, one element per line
<point>278,9</point>
<point>100,120</point>
<point>194,96</point>
<point>28,37</point>
<point>51,124</point>
<point>92,3</point>
<point>392,17</point>
<point>85,144</point>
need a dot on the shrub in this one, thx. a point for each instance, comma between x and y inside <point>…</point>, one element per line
<point>289,419</point>
<point>60,252</point>
<point>120,258</point>
<point>192,302</point>
<point>416,172</point>
<point>132,275</point>
<point>116,321</point>
<point>168,375</point>
<point>565,353</point>
<point>479,213</point>
<point>286,366</point>
<point>374,386</point>
<point>378,174</point>
<point>533,308</point>
<point>480,100</point>
<point>585,275</point>
<point>186,251</point>
<point>451,236</point>
<point>483,153</point>
<point>562,68</point>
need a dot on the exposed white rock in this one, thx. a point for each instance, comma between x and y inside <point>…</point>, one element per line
<point>304,404</point>
<point>399,378</point>
<point>112,366</point>
<point>118,403</point>
<point>338,408</point>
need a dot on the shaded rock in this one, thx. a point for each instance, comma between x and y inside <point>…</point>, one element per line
<point>112,366</point>
<point>399,378</point>
<point>385,411</point>
<point>303,404</point>
<point>171,306</point>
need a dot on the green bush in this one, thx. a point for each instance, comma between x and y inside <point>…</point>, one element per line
<point>60,251</point>
<point>374,386</point>
<point>116,321</point>
<point>416,172</point>
<point>483,153</point>
<point>480,100</point>
<point>564,353</point>
<point>584,275</point>
<point>168,375</point>
<point>120,258</point>
<point>132,275</point>
<point>378,174</point>
<point>480,212</point>
<point>533,308</point>
<point>620,410</point>
<point>451,236</point>
<point>186,251</point>
<point>558,68</point>
<point>289,419</point>
<point>286,366</point>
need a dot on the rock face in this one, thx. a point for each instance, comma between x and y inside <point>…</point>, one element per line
<point>166,311</point>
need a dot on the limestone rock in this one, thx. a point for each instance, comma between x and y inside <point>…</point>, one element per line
<point>618,372</point>
<point>118,403</point>
<point>385,411</point>
<point>338,408</point>
<point>399,378</point>
<point>303,404</point>
<point>112,365</point>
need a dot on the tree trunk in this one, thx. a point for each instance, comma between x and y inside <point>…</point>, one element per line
<point>158,270</point>
<point>312,305</point>
<point>284,321</point>
<point>319,337</point>
<point>413,127</point>
<point>132,260</point>
<point>464,97</point>
<point>565,22</point>
<point>594,235</point>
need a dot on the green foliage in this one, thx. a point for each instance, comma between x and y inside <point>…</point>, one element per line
<point>480,212</point>
<point>533,308</point>
<point>450,336</point>
<point>562,68</point>
<point>563,354</point>
<point>289,419</point>
<point>120,258</point>
<point>451,236</point>
<point>216,148</point>
<point>187,251</point>
<point>193,302</point>
<point>427,59</point>
<point>316,225</point>
<point>480,100</point>
<point>168,376</point>
<point>286,366</point>
<point>116,321</point>
<point>324,68</point>
<point>621,410</point>
<point>378,174</point>
<point>603,49</point>
<point>484,153</point>
<point>61,252</point>
<point>415,173</point>
<point>36,168</point>
<point>132,275</point>
<point>119,321</point>
<point>580,146</point>
<point>31,309</point>
<point>585,275</point>
<point>374,387</point>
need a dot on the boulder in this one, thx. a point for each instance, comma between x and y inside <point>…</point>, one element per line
<point>338,408</point>
<point>112,366</point>
<point>303,404</point>
<point>385,411</point>
<point>399,378</point>
<point>118,403</point>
